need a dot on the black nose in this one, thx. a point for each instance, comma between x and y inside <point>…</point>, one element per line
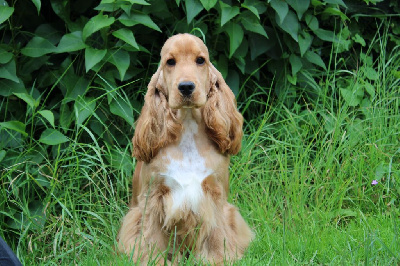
<point>186,88</point>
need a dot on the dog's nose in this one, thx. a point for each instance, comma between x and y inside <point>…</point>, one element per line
<point>186,88</point>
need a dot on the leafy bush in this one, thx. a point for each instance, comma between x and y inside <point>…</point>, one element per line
<point>73,74</point>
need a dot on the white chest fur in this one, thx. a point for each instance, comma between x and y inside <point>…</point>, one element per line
<point>185,175</point>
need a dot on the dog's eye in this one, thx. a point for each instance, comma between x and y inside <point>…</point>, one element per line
<point>200,60</point>
<point>171,62</point>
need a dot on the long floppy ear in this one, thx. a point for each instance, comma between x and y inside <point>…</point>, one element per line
<point>223,121</point>
<point>157,125</point>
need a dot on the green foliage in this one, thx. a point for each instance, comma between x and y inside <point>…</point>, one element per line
<point>72,79</point>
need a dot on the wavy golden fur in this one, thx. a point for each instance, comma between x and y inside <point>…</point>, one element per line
<point>188,127</point>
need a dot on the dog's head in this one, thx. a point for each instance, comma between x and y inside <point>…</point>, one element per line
<point>186,79</point>
<point>184,71</point>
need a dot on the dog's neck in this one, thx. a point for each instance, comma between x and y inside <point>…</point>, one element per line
<point>192,124</point>
<point>189,114</point>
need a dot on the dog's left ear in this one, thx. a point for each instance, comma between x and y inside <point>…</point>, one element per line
<point>157,125</point>
<point>223,121</point>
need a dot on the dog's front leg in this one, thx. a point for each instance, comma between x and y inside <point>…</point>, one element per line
<point>141,236</point>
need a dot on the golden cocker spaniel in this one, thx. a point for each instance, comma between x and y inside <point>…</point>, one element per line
<point>188,128</point>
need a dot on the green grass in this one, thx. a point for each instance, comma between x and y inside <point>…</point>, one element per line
<point>302,181</point>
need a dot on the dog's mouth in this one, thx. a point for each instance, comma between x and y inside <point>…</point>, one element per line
<point>187,102</point>
<point>190,106</point>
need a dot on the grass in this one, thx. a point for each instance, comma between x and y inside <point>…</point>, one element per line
<point>302,181</point>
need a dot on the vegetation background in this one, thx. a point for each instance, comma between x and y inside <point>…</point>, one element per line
<point>316,80</point>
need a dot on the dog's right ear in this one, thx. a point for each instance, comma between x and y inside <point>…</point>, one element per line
<point>157,125</point>
<point>223,121</point>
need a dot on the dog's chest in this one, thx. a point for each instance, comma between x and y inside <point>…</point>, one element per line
<point>185,173</point>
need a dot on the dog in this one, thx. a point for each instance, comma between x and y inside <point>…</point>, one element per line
<point>187,130</point>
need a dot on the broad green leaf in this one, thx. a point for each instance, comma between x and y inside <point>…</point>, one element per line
<point>95,24</point>
<point>366,108</point>
<point>252,10</point>
<point>371,73</point>
<point>93,56</point>
<point>5,56</point>
<point>353,98</point>
<point>335,12</point>
<point>108,7</point>
<point>300,6</point>
<point>228,12</point>
<point>260,5</point>
<point>138,18</point>
<point>208,4</point>
<point>325,35</point>
<point>139,2</point>
<point>8,87</point>
<point>315,59</point>
<point>193,7</point>
<point>33,218</point>
<point>121,60</point>
<point>281,8</point>
<point>71,42</point>
<point>9,71</point>
<point>296,64</point>
<point>312,22</point>
<point>305,40</point>
<point>5,13</point>
<point>38,5</point>
<point>370,89</point>
<point>366,59</point>
<point>251,23</point>
<point>2,155</point>
<point>242,50</point>
<point>48,115</point>
<point>42,181</point>
<point>127,8</point>
<point>61,8</point>
<point>122,109</point>
<point>290,24</point>
<point>37,47</point>
<point>52,137</point>
<point>259,45</point>
<point>222,65</point>
<point>37,214</point>
<point>358,39</point>
<point>76,87</point>
<point>49,32</point>
<point>292,79</point>
<point>240,63</point>
<point>316,3</point>
<point>66,116</point>
<point>233,81</point>
<point>235,33</point>
<point>28,99</point>
<point>161,10</point>
<point>336,2</point>
<point>127,36</point>
<point>14,125</point>
<point>84,107</point>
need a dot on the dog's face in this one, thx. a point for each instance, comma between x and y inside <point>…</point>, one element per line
<point>185,71</point>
